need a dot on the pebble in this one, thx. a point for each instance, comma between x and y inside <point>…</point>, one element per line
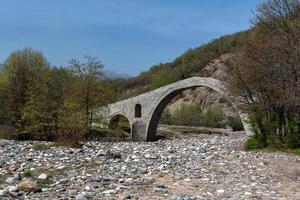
<point>199,167</point>
<point>80,197</point>
<point>43,176</point>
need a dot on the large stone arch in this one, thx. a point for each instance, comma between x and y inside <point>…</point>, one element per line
<point>143,127</point>
<point>163,100</point>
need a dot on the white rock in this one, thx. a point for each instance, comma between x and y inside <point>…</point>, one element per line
<point>109,192</point>
<point>12,189</point>
<point>220,191</point>
<point>60,167</point>
<point>87,188</point>
<point>43,176</point>
<point>80,197</point>
<point>10,180</point>
<point>2,192</point>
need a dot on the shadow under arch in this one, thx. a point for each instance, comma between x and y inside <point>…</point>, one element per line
<point>120,122</point>
<point>156,114</point>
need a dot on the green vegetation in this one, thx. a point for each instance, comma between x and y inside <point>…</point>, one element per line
<point>297,151</point>
<point>187,114</point>
<point>27,173</point>
<point>267,75</point>
<point>38,99</point>
<point>183,129</point>
<point>191,63</point>
<point>192,115</point>
<point>235,123</point>
<point>40,146</point>
<point>49,103</point>
<point>213,117</point>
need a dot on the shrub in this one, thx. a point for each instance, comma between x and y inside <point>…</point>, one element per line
<point>71,136</point>
<point>40,146</point>
<point>213,117</point>
<point>27,173</point>
<point>297,151</point>
<point>254,142</point>
<point>188,115</point>
<point>166,118</point>
<point>235,123</point>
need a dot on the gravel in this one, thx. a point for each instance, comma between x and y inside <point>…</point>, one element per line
<point>194,167</point>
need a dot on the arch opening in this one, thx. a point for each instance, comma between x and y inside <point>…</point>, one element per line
<point>120,125</point>
<point>156,114</point>
<point>138,111</point>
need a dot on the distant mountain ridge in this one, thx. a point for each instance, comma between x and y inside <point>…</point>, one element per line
<point>110,74</point>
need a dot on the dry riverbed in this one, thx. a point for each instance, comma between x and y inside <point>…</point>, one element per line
<point>194,167</point>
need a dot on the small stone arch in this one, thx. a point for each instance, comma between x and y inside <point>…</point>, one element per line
<point>116,119</point>
<point>138,111</point>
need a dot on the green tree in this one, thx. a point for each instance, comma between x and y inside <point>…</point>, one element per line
<point>89,85</point>
<point>36,112</point>
<point>267,73</point>
<point>17,73</point>
<point>162,80</point>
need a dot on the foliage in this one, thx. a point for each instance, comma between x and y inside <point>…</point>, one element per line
<point>15,79</point>
<point>186,114</point>
<point>162,80</point>
<point>297,151</point>
<point>40,146</point>
<point>253,143</point>
<point>44,102</point>
<point>235,123</point>
<point>27,173</point>
<point>267,74</point>
<point>213,117</point>
<point>191,63</point>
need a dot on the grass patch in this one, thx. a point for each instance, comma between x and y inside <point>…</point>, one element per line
<point>1,181</point>
<point>27,173</point>
<point>297,151</point>
<point>40,146</point>
<point>182,129</point>
<point>253,144</point>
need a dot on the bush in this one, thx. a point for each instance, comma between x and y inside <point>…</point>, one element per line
<point>40,146</point>
<point>214,118</point>
<point>235,123</point>
<point>27,173</point>
<point>71,136</point>
<point>166,118</point>
<point>297,151</point>
<point>254,143</point>
<point>188,115</point>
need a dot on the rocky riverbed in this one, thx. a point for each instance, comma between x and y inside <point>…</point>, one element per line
<point>194,167</point>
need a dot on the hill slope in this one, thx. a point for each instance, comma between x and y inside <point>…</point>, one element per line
<point>192,63</point>
<point>208,60</point>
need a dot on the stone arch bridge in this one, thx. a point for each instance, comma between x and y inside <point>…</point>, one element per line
<point>143,111</point>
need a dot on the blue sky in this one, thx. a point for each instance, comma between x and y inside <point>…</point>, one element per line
<point>127,36</point>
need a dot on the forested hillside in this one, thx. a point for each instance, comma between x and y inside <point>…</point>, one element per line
<point>192,62</point>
